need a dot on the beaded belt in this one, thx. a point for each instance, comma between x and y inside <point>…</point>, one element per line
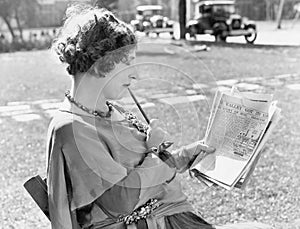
<point>141,212</point>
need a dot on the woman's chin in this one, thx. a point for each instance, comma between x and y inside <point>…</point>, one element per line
<point>119,96</point>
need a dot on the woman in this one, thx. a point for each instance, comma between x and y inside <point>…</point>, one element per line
<point>102,172</point>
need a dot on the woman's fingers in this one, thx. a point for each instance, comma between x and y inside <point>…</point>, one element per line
<point>202,148</point>
<point>156,135</point>
<point>201,155</point>
<point>196,147</point>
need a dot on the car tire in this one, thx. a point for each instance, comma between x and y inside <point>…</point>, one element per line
<point>192,31</point>
<point>219,37</point>
<point>220,32</point>
<point>251,38</point>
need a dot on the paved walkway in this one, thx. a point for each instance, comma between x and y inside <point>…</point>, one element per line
<point>26,111</point>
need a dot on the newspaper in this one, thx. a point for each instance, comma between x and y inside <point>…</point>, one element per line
<point>238,127</point>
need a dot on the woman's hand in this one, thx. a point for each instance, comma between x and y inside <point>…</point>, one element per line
<point>156,135</point>
<point>192,153</point>
<point>197,151</point>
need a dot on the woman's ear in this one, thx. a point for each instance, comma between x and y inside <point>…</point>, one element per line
<point>96,72</point>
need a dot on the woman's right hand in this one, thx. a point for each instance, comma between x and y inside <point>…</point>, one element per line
<point>156,134</point>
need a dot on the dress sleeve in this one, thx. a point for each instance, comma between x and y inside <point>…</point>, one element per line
<point>91,166</point>
<point>59,205</point>
<point>79,170</point>
<point>95,175</point>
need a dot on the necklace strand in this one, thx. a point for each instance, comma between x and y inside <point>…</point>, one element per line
<point>129,116</point>
<point>90,111</point>
<point>132,119</point>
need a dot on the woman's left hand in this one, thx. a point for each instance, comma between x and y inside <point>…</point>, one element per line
<point>192,153</point>
<point>198,150</point>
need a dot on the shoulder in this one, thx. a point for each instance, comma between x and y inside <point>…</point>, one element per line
<point>67,132</point>
<point>63,125</point>
<point>67,126</point>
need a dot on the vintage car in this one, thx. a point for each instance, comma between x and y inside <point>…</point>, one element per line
<point>219,18</point>
<point>150,19</point>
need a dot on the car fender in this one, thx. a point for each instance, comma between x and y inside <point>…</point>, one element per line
<point>155,18</point>
<point>235,16</point>
<point>170,22</point>
<point>220,27</point>
<point>146,24</point>
<point>192,22</point>
<point>250,24</point>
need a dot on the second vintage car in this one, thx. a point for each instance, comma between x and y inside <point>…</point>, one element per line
<point>219,18</point>
<point>150,19</point>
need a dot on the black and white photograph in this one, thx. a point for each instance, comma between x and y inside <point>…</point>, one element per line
<point>150,114</point>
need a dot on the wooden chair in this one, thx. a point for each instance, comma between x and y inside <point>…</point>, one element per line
<point>37,188</point>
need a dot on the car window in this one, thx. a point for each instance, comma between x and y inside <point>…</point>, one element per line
<point>205,9</point>
<point>223,9</point>
<point>150,12</point>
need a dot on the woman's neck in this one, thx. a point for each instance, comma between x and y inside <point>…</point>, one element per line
<point>87,92</point>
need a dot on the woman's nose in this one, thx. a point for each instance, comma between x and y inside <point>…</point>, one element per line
<point>134,76</point>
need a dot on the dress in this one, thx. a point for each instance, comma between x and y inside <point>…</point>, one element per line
<point>98,171</point>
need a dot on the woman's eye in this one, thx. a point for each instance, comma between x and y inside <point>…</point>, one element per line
<point>129,61</point>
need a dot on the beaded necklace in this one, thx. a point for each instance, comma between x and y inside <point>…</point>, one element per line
<point>132,119</point>
<point>129,116</point>
<point>96,113</point>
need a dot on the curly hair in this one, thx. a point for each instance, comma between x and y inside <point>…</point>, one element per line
<point>90,35</point>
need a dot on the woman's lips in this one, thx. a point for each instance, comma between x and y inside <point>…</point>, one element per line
<point>126,85</point>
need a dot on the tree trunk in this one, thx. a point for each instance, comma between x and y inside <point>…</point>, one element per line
<point>268,10</point>
<point>182,18</point>
<point>11,30</point>
<point>19,25</point>
<point>279,15</point>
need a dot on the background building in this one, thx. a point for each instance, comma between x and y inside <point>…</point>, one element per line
<point>50,12</point>
<point>126,8</point>
<point>266,9</point>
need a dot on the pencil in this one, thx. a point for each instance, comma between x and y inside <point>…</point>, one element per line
<point>139,106</point>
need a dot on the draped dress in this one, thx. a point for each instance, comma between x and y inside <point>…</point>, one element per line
<point>98,171</point>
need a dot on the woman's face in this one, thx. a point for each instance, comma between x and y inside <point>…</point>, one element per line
<point>119,79</point>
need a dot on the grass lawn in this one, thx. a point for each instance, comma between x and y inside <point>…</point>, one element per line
<point>273,193</point>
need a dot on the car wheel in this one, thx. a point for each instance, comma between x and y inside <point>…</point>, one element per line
<point>252,36</point>
<point>220,32</point>
<point>220,37</point>
<point>192,31</point>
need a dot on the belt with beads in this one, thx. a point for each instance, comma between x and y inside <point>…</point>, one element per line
<point>141,213</point>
